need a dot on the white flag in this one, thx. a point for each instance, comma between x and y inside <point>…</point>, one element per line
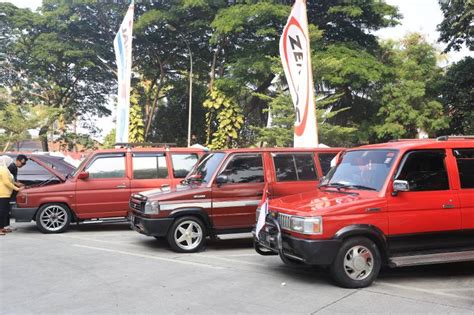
<point>295,56</point>
<point>123,56</point>
<point>261,217</point>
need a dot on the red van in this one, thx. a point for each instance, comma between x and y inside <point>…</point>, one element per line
<point>101,186</point>
<point>400,203</point>
<point>221,194</point>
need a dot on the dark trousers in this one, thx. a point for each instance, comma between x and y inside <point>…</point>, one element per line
<point>4,212</point>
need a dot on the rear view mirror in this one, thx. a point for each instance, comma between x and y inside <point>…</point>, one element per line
<point>83,175</point>
<point>400,185</point>
<point>222,179</point>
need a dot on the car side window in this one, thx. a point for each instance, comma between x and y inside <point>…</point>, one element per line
<point>107,167</point>
<point>425,170</point>
<point>149,166</point>
<point>325,161</point>
<point>465,161</point>
<point>293,167</point>
<point>183,163</point>
<point>245,169</point>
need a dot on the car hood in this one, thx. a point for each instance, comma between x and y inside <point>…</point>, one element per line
<point>56,173</point>
<point>326,202</point>
<point>172,193</point>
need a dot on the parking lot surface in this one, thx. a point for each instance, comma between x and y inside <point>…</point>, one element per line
<point>109,269</point>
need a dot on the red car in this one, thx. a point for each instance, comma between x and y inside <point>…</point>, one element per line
<point>101,186</point>
<point>400,203</point>
<point>222,193</point>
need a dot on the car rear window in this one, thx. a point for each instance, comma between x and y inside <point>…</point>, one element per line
<point>183,163</point>
<point>293,167</point>
<point>150,166</point>
<point>465,161</point>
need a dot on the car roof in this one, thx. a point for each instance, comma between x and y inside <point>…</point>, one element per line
<point>150,149</point>
<point>412,144</point>
<point>258,150</point>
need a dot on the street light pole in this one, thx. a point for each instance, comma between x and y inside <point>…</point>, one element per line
<point>172,28</point>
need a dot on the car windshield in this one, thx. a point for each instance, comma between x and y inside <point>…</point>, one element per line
<point>205,168</point>
<point>361,169</point>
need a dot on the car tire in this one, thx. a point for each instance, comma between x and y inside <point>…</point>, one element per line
<point>187,235</point>
<point>53,218</point>
<point>357,263</point>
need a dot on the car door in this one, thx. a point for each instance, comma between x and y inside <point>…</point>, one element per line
<point>428,215</point>
<point>293,173</point>
<point>106,192</point>
<point>234,203</point>
<point>465,171</point>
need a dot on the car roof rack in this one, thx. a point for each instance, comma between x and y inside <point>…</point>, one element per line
<point>144,144</point>
<point>397,140</point>
<point>446,138</point>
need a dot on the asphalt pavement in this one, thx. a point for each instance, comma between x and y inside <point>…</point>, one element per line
<point>109,269</point>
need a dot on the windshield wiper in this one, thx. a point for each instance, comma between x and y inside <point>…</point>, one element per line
<point>339,186</point>
<point>335,185</point>
<point>362,187</point>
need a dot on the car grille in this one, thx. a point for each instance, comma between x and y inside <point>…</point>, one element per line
<point>284,220</point>
<point>137,203</point>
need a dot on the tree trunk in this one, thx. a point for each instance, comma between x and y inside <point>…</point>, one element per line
<point>43,135</point>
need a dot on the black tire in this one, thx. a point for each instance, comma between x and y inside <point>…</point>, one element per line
<point>350,269</point>
<point>53,218</point>
<point>190,243</point>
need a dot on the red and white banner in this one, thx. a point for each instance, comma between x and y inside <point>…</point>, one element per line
<point>296,59</point>
<point>123,56</point>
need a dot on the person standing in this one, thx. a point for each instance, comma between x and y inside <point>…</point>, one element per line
<point>7,186</point>
<point>20,161</point>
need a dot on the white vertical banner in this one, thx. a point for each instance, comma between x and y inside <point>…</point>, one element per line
<point>123,56</point>
<point>295,56</point>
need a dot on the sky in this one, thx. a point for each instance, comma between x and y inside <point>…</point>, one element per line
<point>420,16</point>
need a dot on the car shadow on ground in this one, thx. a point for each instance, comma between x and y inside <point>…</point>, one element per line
<point>432,272</point>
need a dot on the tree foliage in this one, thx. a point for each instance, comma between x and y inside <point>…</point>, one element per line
<point>457,27</point>
<point>62,58</point>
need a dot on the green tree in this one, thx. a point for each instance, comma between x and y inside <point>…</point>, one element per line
<point>408,101</point>
<point>457,27</point>
<point>457,95</point>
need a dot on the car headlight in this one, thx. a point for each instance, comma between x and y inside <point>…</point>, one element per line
<point>309,225</point>
<point>152,207</point>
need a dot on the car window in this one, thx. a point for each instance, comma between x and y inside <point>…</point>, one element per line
<point>325,161</point>
<point>107,167</point>
<point>292,167</point>
<point>465,161</point>
<point>183,163</point>
<point>245,169</point>
<point>149,166</point>
<point>425,170</point>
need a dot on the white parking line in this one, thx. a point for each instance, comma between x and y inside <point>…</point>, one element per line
<point>184,262</point>
<point>235,261</point>
<point>410,288</point>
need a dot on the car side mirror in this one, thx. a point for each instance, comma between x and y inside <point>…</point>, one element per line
<point>400,185</point>
<point>83,175</point>
<point>222,179</point>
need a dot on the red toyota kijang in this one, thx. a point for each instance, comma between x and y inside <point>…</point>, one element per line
<point>101,186</point>
<point>401,203</point>
<point>221,194</point>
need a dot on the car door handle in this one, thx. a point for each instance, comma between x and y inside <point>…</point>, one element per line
<point>448,206</point>
<point>122,186</point>
<point>165,186</point>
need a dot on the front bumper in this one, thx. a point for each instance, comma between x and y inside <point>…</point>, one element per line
<point>23,214</point>
<point>272,241</point>
<point>148,226</point>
